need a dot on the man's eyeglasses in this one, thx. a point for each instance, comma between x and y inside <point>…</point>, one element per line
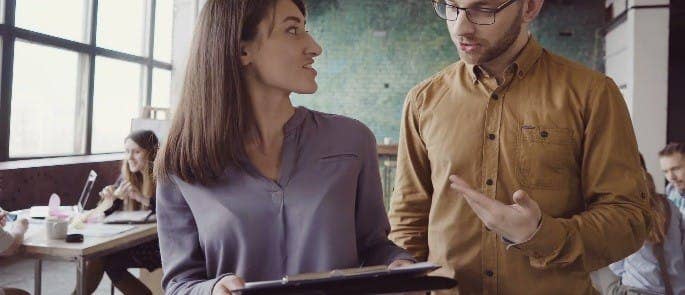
<point>476,15</point>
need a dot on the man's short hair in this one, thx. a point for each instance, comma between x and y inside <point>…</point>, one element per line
<point>673,148</point>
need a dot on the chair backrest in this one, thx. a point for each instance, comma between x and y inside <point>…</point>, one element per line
<point>158,120</point>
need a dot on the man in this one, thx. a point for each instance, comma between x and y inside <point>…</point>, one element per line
<point>672,160</point>
<point>518,170</point>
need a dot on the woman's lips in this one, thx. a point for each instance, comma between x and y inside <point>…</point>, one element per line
<point>309,68</point>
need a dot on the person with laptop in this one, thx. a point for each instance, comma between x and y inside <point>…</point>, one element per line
<point>134,190</point>
<point>251,188</point>
<point>10,242</point>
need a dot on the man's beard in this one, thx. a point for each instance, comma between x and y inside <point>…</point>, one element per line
<point>503,44</point>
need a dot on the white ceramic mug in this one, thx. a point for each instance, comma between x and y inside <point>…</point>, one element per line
<point>56,229</point>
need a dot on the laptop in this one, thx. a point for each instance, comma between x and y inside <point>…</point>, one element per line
<point>41,212</point>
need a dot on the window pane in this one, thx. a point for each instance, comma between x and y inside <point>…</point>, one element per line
<point>45,102</point>
<point>63,18</point>
<point>117,100</point>
<point>121,25</point>
<point>161,88</point>
<point>2,11</point>
<point>164,16</point>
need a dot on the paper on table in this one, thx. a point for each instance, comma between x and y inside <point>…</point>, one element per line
<point>101,230</point>
<point>130,216</point>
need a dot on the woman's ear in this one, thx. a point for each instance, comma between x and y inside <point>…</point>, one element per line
<point>246,53</point>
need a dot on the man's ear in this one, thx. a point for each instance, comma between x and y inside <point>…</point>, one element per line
<point>531,9</point>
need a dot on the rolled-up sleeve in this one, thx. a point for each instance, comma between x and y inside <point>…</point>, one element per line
<point>410,204</point>
<point>617,218</point>
<point>183,261</point>
<point>371,218</point>
<point>617,268</point>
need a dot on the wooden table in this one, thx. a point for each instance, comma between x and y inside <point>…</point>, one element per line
<point>39,247</point>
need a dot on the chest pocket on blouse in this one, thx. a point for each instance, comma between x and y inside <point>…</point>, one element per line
<point>337,176</point>
<point>546,158</point>
<point>338,157</point>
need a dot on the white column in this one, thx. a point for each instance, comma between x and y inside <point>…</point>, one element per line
<point>637,59</point>
<point>650,80</point>
<point>185,15</point>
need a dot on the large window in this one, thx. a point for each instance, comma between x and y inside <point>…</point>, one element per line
<point>45,115</point>
<point>75,72</point>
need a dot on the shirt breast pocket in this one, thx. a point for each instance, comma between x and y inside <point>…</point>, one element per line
<point>546,158</point>
<point>338,157</point>
<point>339,166</point>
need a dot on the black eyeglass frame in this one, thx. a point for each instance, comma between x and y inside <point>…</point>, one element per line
<point>494,11</point>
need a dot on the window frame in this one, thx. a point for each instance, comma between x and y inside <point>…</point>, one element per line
<point>10,33</point>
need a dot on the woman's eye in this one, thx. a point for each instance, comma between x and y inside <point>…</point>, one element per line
<point>292,31</point>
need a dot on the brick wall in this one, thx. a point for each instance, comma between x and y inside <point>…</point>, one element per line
<point>22,188</point>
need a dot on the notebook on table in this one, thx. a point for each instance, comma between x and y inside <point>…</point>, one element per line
<point>131,217</point>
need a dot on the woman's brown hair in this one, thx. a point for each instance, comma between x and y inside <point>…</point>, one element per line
<point>215,113</point>
<point>658,208</point>
<point>143,181</point>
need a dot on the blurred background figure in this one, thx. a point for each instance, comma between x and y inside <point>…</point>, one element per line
<point>10,243</point>
<point>658,267</point>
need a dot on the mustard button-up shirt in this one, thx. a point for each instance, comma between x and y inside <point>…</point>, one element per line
<point>553,128</point>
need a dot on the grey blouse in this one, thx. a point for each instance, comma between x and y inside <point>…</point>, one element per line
<point>325,212</point>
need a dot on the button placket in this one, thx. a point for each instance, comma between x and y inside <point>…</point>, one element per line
<point>491,149</point>
<point>491,144</point>
<point>277,197</point>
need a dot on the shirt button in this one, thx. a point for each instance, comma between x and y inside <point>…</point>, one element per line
<point>489,182</point>
<point>489,273</point>
<point>544,134</point>
<point>494,96</point>
<point>491,136</point>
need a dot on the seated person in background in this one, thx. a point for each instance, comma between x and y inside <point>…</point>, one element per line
<point>672,160</point>
<point>10,243</point>
<point>658,267</point>
<point>134,190</point>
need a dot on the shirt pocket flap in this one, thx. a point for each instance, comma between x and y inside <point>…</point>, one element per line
<point>547,135</point>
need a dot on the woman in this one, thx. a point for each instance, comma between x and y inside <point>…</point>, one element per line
<point>659,266</point>
<point>135,189</point>
<point>250,187</point>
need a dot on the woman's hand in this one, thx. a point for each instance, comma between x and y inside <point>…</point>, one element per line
<point>107,193</point>
<point>399,263</point>
<point>135,194</point>
<point>122,192</point>
<point>226,284</point>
